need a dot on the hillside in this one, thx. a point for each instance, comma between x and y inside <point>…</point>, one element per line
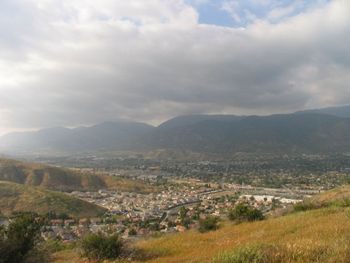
<point>19,198</point>
<point>320,235</point>
<point>303,237</point>
<point>61,179</point>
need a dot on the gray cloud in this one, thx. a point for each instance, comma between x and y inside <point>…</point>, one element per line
<point>81,62</point>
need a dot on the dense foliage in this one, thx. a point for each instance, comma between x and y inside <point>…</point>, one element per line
<point>244,212</point>
<point>99,247</point>
<point>20,239</point>
<point>208,224</point>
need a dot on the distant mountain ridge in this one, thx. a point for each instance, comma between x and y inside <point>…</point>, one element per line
<point>104,136</point>
<point>312,131</point>
<point>304,133</point>
<point>340,111</point>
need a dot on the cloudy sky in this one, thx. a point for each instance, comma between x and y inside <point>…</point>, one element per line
<point>78,62</point>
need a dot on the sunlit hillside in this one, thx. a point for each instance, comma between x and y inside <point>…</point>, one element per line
<point>62,179</point>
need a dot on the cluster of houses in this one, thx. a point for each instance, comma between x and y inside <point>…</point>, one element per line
<point>144,206</point>
<point>144,214</point>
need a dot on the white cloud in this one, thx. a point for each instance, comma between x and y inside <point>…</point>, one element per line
<point>82,61</point>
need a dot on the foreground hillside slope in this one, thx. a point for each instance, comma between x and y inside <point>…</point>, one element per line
<point>61,179</point>
<point>19,198</point>
<point>319,235</point>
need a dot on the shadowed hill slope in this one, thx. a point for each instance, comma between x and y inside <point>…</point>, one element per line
<point>20,198</point>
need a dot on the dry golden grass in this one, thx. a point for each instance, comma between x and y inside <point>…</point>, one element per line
<point>339,193</point>
<point>123,184</point>
<point>299,235</point>
<point>67,256</point>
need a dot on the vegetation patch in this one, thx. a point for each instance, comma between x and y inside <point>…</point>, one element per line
<point>248,254</point>
<point>244,212</point>
<point>20,241</point>
<point>100,247</point>
<point>263,253</point>
<point>209,223</point>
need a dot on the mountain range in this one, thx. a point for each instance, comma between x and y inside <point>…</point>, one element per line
<point>312,131</point>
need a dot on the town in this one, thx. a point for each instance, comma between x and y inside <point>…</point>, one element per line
<point>175,209</point>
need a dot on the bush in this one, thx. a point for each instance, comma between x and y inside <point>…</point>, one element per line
<point>99,247</point>
<point>19,242</point>
<point>249,254</point>
<point>208,224</point>
<point>244,212</point>
<point>132,232</point>
<point>242,255</point>
<point>300,207</point>
<point>311,205</point>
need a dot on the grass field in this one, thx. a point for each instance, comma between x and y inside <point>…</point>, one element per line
<point>313,236</point>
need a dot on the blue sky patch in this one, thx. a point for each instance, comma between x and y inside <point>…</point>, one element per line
<point>240,13</point>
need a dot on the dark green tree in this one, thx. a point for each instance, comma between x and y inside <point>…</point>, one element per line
<point>19,241</point>
<point>209,223</point>
<point>245,212</point>
<point>100,247</point>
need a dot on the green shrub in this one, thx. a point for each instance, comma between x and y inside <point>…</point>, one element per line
<point>209,223</point>
<point>19,242</point>
<point>250,254</point>
<point>304,206</point>
<point>340,203</point>
<point>270,253</point>
<point>311,205</point>
<point>244,212</point>
<point>99,247</point>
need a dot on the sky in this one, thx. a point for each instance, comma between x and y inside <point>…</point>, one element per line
<point>81,62</point>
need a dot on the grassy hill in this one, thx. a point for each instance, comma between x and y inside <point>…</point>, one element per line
<point>313,236</point>
<point>20,198</point>
<point>319,235</point>
<point>60,179</point>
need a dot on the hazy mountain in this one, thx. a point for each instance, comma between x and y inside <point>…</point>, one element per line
<point>342,111</point>
<point>276,133</point>
<point>315,131</point>
<point>186,120</point>
<point>105,136</point>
